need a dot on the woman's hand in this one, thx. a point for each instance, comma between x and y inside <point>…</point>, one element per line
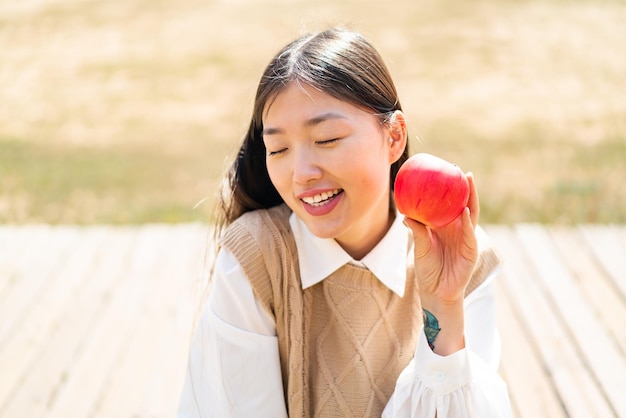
<point>445,257</point>
<point>444,262</point>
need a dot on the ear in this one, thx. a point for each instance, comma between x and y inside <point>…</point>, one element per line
<point>397,136</point>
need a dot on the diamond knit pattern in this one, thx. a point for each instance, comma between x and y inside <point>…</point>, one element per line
<point>342,342</point>
<point>361,337</point>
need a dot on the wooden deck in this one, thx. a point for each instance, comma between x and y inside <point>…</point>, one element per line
<point>95,321</point>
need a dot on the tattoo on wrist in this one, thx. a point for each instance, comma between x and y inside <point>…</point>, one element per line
<point>431,328</point>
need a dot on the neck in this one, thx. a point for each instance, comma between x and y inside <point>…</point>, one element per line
<point>360,246</point>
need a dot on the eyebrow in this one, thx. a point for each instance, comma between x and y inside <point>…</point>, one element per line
<point>308,123</point>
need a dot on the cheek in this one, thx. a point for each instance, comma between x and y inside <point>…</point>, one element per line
<point>371,171</point>
<point>278,175</point>
<point>272,172</point>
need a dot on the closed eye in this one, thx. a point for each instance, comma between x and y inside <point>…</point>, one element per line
<point>327,141</point>
<point>275,153</point>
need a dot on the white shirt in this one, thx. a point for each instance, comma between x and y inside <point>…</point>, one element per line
<point>234,366</point>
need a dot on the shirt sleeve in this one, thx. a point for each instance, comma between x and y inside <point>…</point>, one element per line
<point>463,385</point>
<point>234,366</point>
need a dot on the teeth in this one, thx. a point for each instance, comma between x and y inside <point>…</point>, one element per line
<point>318,198</point>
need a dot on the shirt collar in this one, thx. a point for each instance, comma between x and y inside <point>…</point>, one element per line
<point>320,257</point>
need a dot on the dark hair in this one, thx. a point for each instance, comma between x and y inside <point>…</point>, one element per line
<point>338,62</point>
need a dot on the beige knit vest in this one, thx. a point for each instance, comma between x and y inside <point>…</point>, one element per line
<point>342,342</point>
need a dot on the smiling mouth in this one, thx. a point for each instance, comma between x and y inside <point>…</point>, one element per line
<point>322,198</point>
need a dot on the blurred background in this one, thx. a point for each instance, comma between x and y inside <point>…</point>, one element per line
<point>128,111</point>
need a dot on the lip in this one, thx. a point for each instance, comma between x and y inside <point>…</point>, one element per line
<point>323,209</point>
<point>313,192</point>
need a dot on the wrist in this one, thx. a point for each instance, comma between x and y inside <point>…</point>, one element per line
<point>444,325</point>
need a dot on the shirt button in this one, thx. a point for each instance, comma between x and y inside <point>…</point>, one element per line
<point>440,376</point>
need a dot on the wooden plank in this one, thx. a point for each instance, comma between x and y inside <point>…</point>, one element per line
<point>89,373</point>
<point>168,371</point>
<point>587,331</point>
<point>153,330</point>
<point>606,242</point>
<point>18,259</point>
<point>33,269</point>
<point>29,277</point>
<point>51,370</point>
<point>47,374</point>
<point>41,317</point>
<point>575,385</point>
<point>593,281</point>
<point>532,392</point>
<point>13,242</point>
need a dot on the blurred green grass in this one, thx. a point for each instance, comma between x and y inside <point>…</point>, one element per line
<point>126,112</point>
<point>69,184</point>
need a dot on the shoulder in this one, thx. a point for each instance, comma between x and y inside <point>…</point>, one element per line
<point>259,225</point>
<point>274,215</point>
<point>261,240</point>
<point>262,243</point>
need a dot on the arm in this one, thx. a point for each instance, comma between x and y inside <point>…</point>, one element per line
<point>444,262</point>
<point>447,378</point>
<point>234,368</point>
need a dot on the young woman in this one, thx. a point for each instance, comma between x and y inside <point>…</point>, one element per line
<point>325,301</point>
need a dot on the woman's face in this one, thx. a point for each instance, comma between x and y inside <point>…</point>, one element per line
<point>329,160</point>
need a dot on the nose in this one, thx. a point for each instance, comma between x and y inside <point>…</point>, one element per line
<point>306,166</point>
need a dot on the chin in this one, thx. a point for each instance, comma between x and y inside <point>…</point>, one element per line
<point>322,229</point>
<point>320,232</point>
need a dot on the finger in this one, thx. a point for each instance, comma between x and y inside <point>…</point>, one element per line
<point>473,204</point>
<point>421,236</point>
<point>469,234</point>
<point>468,250</point>
<point>418,228</point>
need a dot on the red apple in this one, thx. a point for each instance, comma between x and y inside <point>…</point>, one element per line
<point>431,190</point>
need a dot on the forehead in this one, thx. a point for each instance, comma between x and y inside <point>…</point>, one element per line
<point>302,102</point>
